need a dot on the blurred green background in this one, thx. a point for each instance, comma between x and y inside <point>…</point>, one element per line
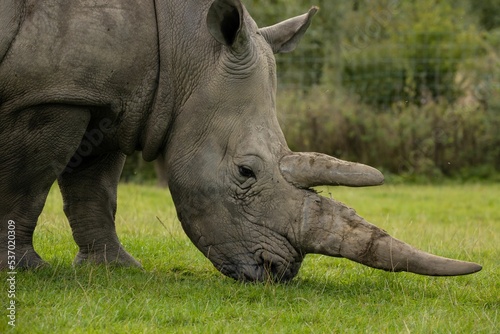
<point>410,87</point>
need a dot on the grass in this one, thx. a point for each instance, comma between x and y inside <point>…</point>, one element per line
<point>179,290</point>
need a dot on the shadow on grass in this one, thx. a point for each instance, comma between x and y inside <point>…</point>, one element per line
<point>345,284</point>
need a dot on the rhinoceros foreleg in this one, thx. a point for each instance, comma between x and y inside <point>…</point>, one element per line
<point>37,143</point>
<point>89,193</point>
<point>18,222</point>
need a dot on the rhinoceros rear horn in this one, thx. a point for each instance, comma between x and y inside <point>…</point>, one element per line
<point>331,228</point>
<point>306,170</point>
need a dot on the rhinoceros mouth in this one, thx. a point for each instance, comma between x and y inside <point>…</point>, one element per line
<point>265,272</point>
<point>257,264</point>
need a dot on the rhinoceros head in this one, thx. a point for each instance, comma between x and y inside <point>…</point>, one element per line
<point>242,196</point>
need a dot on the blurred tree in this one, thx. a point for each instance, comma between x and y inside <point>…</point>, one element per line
<point>408,51</point>
<point>489,13</point>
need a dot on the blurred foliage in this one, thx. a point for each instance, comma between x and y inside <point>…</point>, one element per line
<point>137,170</point>
<point>488,12</point>
<point>434,140</point>
<point>414,56</point>
<point>411,87</point>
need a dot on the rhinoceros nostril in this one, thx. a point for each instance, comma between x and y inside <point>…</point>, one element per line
<point>274,268</point>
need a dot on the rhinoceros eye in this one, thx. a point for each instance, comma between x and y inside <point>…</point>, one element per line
<point>246,172</point>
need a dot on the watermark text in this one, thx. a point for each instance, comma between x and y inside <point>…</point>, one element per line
<point>11,274</point>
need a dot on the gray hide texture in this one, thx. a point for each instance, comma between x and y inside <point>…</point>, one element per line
<point>85,83</point>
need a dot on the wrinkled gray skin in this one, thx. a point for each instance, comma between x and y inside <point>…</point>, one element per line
<point>85,83</point>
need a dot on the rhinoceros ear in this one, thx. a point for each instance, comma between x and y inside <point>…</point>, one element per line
<point>284,36</point>
<point>224,20</point>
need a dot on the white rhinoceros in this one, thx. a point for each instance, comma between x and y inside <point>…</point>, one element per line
<point>83,83</point>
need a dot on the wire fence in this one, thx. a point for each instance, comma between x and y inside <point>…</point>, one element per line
<point>395,71</point>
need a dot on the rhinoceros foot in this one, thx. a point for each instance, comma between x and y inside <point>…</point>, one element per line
<point>24,258</point>
<point>107,255</point>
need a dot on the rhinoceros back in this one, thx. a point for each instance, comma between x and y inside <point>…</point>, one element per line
<point>10,18</point>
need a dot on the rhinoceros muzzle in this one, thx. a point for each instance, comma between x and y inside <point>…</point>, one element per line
<point>258,266</point>
<point>263,271</point>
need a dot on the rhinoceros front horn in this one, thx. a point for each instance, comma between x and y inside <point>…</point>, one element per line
<point>306,170</point>
<point>333,229</point>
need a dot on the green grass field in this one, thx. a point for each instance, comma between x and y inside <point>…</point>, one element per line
<point>179,291</point>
